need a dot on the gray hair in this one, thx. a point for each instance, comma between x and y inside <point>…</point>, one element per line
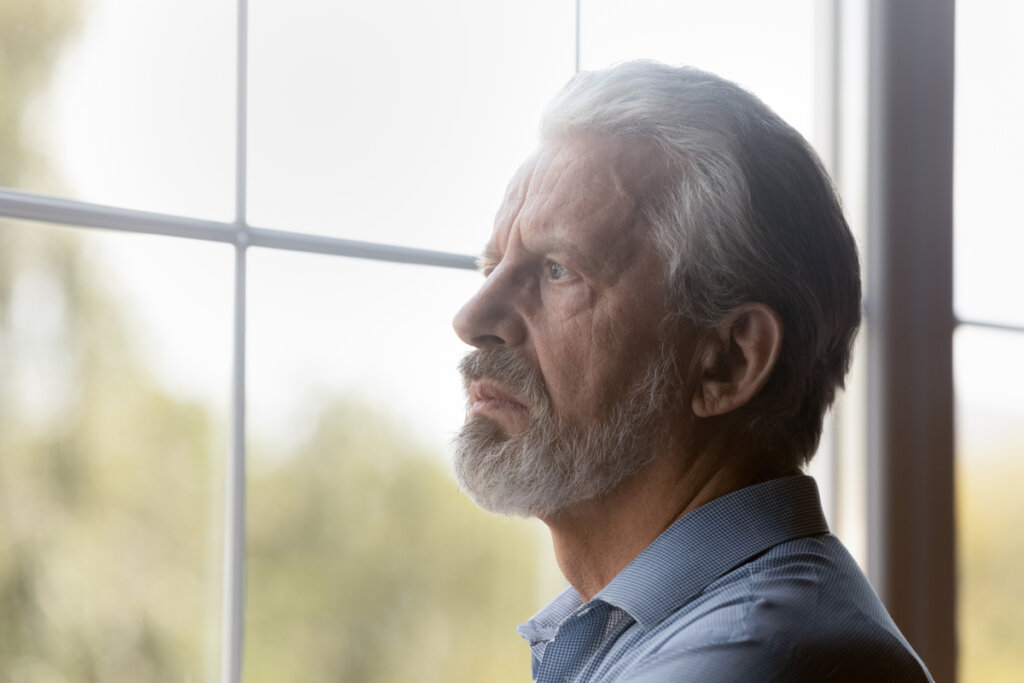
<point>747,213</point>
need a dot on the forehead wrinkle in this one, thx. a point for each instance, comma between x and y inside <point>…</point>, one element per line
<point>518,191</point>
<point>573,182</point>
<point>601,188</point>
<point>585,180</point>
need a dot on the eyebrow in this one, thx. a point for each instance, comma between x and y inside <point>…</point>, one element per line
<point>488,257</point>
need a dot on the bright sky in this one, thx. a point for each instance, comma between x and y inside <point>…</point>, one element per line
<point>401,122</point>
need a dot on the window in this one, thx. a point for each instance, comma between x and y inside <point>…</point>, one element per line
<point>989,341</point>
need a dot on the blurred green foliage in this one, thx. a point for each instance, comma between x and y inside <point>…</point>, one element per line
<point>32,34</point>
<point>109,529</point>
<point>990,506</point>
<point>367,565</point>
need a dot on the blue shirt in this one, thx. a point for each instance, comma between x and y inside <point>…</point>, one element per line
<point>749,587</point>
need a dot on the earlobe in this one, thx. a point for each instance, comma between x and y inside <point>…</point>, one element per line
<point>736,358</point>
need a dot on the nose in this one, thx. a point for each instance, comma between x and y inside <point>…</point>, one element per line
<point>491,318</point>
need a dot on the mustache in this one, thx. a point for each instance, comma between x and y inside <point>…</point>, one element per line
<point>507,367</point>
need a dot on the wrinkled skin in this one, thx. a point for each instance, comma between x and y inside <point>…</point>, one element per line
<point>571,282</point>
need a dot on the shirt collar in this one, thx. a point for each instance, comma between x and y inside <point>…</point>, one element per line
<point>707,542</point>
<point>694,551</point>
<point>544,625</point>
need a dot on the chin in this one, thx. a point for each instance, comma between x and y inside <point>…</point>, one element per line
<point>503,473</point>
<point>540,472</point>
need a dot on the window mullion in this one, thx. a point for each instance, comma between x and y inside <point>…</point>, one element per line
<point>235,527</point>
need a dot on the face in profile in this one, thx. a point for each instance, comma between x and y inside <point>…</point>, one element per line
<point>573,359</point>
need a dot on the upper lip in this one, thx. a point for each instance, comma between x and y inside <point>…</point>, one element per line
<point>488,390</point>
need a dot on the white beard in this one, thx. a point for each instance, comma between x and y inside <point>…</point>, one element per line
<point>555,462</point>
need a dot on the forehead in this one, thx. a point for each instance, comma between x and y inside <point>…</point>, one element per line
<point>584,190</point>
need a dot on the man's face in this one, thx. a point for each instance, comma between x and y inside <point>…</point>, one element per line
<point>570,327</point>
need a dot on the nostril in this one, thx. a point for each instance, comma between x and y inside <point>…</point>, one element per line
<point>488,340</point>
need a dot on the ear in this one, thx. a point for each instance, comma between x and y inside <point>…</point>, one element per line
<point>736,359</point>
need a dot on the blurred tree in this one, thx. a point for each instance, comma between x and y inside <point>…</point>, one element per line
<point>105,513</point>
<point>366,565</point>
<point>32,33</point>
<point>991,554</point>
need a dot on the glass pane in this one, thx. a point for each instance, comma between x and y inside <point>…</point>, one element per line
<point>990,440</point>
<point>110,477</point>
<point>737,39</point>
<point>397,122</point>
<point>365,561</point>
<point>136,102</point>
<point>988,228</point>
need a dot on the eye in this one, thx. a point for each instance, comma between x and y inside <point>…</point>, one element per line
<point>556,271</point>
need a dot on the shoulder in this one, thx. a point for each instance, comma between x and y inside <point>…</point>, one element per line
<point>803,610</point>
<point>728,662</point>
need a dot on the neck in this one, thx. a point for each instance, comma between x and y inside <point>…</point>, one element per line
<point>595,539</point>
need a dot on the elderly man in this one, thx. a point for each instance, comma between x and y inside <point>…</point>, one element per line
<point>670,297</point>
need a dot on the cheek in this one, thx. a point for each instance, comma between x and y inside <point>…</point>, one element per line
<point>566,361</point>
<point>588,372</point>
<point>625,351</point>
<point>590,354</point>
